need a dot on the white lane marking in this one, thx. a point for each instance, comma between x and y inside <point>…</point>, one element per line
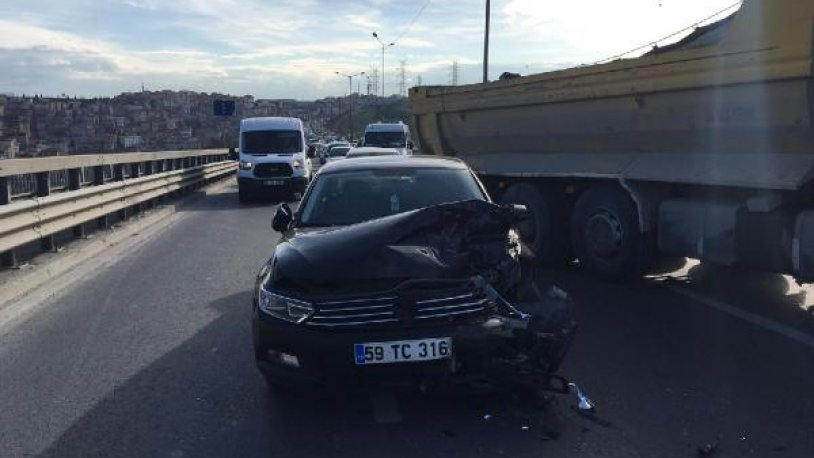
<point>385,408</point>
<point>757,320</point>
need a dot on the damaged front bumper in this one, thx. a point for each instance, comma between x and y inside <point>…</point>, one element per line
<point>522,342</point>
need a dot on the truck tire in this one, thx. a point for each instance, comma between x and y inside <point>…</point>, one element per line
<point>607,236</point>
<point>545,232</point>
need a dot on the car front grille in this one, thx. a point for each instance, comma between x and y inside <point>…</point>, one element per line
<point>272,170</point>
<point>399,309</point>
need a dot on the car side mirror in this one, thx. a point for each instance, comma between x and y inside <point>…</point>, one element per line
<point>232,154</point>
<point>282,218</point>
<point>410,145</point>
<point>312,152</point>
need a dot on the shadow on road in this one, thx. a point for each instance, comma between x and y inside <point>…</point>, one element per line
<point>205,398</point>
<point>773,296</point>
<point>226,199</point>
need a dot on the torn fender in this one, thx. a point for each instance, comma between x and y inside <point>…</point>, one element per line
<point>533,335</point>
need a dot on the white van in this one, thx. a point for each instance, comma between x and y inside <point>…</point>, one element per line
<point>273,157</point>
<point>389,135</point>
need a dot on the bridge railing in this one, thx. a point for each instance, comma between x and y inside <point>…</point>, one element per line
<point>42,197</point>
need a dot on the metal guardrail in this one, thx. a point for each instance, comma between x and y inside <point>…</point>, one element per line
<point>44,196</point>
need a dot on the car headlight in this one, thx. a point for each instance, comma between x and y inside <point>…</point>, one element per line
<point>246,165</point>
<point>284,308</point>
<point>297,164</point>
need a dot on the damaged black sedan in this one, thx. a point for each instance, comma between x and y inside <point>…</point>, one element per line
<point>400,269</point>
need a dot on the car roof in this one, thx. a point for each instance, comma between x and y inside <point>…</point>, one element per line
<point>391,162</point>
<point>386,127</point>
<point>270,123</point>
<point>373,150</point>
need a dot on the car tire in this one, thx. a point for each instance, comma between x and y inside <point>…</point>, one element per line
<point>545,232</point>
<point>606,235</point>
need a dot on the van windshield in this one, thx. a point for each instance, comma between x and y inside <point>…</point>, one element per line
<point>385,139</point>
<point>272,141</point>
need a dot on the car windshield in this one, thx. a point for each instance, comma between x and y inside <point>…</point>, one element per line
<point>343,198</point>
<point>272,141</point>
<point>339,151</point>
<point>385,139</point>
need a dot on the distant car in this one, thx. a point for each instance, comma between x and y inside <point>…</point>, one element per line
<point>327,150</point>
<point>368,151</point>
<point>400,269</point>
<point>336,152</point>
<point>319,151</point>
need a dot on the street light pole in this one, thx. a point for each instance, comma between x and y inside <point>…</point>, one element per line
<point>486,44</point>
<point>384,47</point>
<point>350,97</point>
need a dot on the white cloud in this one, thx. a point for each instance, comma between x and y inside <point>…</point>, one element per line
<point>262,46</point>
<point>589,30</point>
<point>17,35</point>
<point>365,21</point>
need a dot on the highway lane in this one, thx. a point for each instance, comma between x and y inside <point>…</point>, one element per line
<point>152,357</point>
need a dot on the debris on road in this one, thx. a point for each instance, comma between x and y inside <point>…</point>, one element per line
<point>487,416</point>
<point>707,450</point>
<point>583,404</point>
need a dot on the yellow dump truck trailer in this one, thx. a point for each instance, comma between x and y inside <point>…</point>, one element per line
<point>703,148</point>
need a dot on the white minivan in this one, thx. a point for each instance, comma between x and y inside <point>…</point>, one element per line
<point>389,135</point>
<point>273,157</point>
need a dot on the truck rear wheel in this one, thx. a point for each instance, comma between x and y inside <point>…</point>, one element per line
<point>545,232</point>
<point>606,234</point>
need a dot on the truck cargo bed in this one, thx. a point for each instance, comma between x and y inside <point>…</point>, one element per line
<point>730,105</point>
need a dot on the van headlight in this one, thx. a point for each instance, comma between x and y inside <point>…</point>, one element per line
<point>297,164</point>
<point>284,308</point>
<point>246,165</point>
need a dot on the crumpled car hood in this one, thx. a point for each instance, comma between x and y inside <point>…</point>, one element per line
<point>529,331</point>
<point>444,241</point>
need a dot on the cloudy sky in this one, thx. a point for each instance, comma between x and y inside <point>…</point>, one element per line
<point>292,48</point>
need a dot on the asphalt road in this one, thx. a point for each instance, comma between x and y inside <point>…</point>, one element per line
<point>152,357</point>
